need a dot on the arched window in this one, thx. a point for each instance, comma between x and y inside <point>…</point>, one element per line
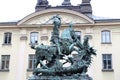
<point>105,36</point>
<point>7,37</point>
<point>34,37</point>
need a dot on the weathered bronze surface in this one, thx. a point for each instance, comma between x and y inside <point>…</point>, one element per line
<point>60,49</point>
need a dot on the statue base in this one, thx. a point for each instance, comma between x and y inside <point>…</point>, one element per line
<point>74,77</point>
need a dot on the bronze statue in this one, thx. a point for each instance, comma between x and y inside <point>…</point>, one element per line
<point>63,46</point>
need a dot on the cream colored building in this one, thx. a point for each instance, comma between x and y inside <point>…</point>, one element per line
<point>16,56</point>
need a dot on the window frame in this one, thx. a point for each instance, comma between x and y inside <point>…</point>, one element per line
<point>107,62</point>
<point>8,36</point>
<point>33,37</point>
<point>106,37</point>
<point>33,61</point>
<point>6,58</point>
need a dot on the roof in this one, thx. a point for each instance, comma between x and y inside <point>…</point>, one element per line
<point>8,23</point>
<point>97,19</point>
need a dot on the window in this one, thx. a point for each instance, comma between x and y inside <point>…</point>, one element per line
<point>5,60</point>
<point>107,61</point>
<point>7,38</point>
<point>34,37</point>
<point>105,35</point>
<point>78,33</point>
<point>31,61</point>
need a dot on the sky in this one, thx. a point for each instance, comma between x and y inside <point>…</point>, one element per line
<point>12,10</point>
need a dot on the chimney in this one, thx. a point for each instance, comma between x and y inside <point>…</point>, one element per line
<point>85,7</point>
<point>41,5</point>
<point>66,3</point>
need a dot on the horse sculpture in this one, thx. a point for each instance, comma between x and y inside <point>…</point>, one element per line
<point>45,52</point>
<point>67,45</point>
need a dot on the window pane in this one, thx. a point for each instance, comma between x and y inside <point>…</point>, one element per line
<point>105,36</point>
<point>5,41</point>
<point>104,64</point>
<point>109,57</point>
<point>7,64</point>
<point>104,57</point>
<point>7,38</point>
<point>31,61</point>
<point>3,57</point>
<point>109,64</point>
<point>30,64</point>
<point>34,37</point>
<point>3,64</point>
<point>32,40</point>
<point>5,61</point>
<point>107,61</point>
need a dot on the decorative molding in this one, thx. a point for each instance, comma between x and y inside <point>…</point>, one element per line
<point>68,16</point>
<point>108,70</point>
<point>4,70</point>
<point>23,37</point>
<point>44,37</point>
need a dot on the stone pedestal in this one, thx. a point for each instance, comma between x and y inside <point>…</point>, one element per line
<point>74,77</point>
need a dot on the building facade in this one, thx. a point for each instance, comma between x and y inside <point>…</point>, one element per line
<point>17,58</point>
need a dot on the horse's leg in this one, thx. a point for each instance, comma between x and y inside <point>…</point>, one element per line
<point>35,66</point>
<point>36,63</point>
